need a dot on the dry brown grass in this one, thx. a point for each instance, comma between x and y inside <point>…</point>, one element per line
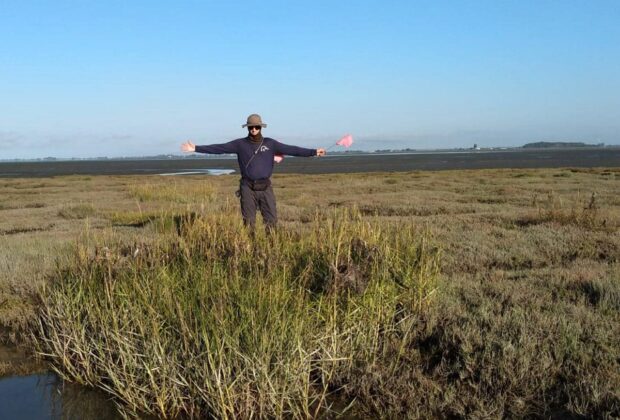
<point>527,320</point>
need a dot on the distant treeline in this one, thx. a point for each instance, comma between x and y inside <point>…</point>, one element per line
<point>550,144</point>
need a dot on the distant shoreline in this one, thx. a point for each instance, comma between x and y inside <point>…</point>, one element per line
<point>343,163</point>
<point>527,148</point>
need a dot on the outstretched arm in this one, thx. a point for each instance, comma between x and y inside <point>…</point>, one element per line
<point>285,149</point>
<point>216,149</point>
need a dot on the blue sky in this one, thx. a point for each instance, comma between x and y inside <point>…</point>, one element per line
<point>124,78</point>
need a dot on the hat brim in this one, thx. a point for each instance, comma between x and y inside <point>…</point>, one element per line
<point>262,125</point>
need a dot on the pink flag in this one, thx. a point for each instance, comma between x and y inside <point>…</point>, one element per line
<point>278,158</point>
<point>346,141</point>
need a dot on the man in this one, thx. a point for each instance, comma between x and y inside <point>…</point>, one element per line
<point>255,155</point>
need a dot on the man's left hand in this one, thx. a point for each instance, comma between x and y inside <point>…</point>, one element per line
<point>321,152</point>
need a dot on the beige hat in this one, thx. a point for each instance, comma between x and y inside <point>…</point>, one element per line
<point>254,119</point>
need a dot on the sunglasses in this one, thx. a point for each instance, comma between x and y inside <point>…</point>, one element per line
<point>255,127</point>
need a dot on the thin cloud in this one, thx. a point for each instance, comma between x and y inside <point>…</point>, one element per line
<point>79,138</point>
<point>10,140</point>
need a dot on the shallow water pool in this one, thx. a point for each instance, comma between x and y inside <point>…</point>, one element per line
<point>45,396</point>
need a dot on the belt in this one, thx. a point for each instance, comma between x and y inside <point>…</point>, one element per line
<point>256,184</point>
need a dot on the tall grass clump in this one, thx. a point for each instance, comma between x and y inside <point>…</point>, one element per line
<point>212,321</point>
<point>587,215</point>
<point>171,191</point>
<point>78,211</point>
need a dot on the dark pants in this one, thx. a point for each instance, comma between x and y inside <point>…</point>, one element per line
<point>265,201</point>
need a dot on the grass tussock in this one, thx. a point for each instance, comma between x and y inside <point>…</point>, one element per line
<point>171,191</point>
<point>215,323</point>
<point>77,211</point>
<point>134,218</point>
<point>554,209</point>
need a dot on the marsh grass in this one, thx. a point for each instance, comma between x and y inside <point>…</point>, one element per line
<point>578,212</point>
<point>134,218</point>
<point>171,191</point>
<point>217,322</point>
<point>524,323</point>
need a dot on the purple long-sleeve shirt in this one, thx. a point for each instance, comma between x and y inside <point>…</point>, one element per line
<point>256,158</point>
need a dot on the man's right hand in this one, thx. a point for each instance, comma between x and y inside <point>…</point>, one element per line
<point>188,146</point>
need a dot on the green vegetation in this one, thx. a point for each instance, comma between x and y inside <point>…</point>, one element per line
<point>161,298</point>
<point>216,323</point>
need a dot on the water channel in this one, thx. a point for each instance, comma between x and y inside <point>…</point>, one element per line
<point>44,395</point>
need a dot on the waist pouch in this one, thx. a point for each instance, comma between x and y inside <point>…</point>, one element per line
<point>258,185</point>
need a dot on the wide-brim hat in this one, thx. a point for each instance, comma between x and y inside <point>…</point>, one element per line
<point>253,120</point>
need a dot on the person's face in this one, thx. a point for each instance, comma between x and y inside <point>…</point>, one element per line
<point>254,130</point>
